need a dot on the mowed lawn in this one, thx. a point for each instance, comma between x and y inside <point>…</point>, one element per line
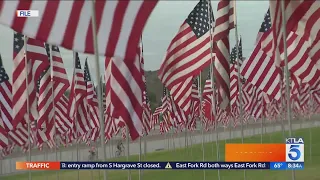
<point>194,153</point>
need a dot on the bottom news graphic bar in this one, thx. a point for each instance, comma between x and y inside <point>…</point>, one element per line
<point>156,165</point>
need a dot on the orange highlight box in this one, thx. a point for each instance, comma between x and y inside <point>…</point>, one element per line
<point>37,165</point>
<point>255,152</point>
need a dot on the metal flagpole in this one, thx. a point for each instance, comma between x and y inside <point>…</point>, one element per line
<point>145,148</point>
<point>239,79</point>
<point>75,118</point>
<point>140,152</point>
<point>53,104</point>
<point>140,145</point>
<point>213,101</point>
<point>99,88</point>
<point>287,75</point>
<point>261,135</point>
<point>282,107</point>
<point>202,125</point>
<point>128,151</point>
<point>310,132</point>
<point>215,124</point>
<point>28,107</point>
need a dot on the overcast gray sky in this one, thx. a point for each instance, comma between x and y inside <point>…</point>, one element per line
<point>162,26</point>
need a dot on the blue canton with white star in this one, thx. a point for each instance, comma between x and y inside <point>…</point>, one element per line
<point>18,42</point>
<point>198,19</point>
<point>266,24</point>
<point>3,75</point>
<point>87,76</point>
<point>77,61</point>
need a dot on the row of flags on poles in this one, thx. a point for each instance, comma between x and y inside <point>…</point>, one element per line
<point>35,95</point>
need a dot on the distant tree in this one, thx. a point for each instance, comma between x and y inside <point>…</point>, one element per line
<point>152,97</point>
<point>67,93</point>
<point>153,106</point>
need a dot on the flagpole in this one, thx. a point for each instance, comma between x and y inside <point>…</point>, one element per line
<point>213,101</point>
<point>140,152</point>
<point>99,88</point>
<point>310,132</point>
<point>287,75</point>
<point>140,145</point>
<point>75,118</point>
<point>239,79</point>
<point>28,108</point>
<point>202,126</point>
<point>128,151</point>
<point>53,104</point>
<point>282,108</point>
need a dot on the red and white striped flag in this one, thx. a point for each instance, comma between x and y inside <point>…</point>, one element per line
<point>303,47</point>
<point>195,98</point>
<point>63,121</point>
<point>59,74</point>
<point>208,107</point>
<point>68,23</point>
<point>110,126</point>
<point>37,63</point>
<point>93,109</point>
<point>188,54</point>
<point>127,87</point>
<point>46,124</point>
<point>19,135</point>
<point>301,18</point>
<point>77,100</point>
<point>4,82</point>
<point>259,69</point>
<point>224,22</point>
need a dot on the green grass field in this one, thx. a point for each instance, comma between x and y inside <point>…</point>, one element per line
<point>194,153</point>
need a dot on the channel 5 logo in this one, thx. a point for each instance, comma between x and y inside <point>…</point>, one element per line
<point>294,150</point>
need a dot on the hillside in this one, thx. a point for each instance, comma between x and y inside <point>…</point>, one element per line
<point>154,86</point>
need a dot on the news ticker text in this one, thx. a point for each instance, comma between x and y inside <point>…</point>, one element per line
<point>158,165</point>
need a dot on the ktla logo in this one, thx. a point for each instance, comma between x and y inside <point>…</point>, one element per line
<point>294,150</point>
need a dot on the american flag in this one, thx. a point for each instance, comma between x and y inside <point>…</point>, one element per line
<point>259,69</point>
<point>19,135</point>
<point>59,74</point>
<point>45,122</point>
<point>166,105</point>
<point>93,109</point>
<point>4,81</point>
<point>68,23</point>
<point>124,133</point>
<point>147,113</point>
<point>225,19</point>
<point>303,47</point>
<point>62,119</point>
<point>208,107</point>
<point>224,22</point>
<point>187,54</point>
<point>37,53</point>
<point>110,126</point>
<point>127,93</point>
<point>301,18</point>
<point>77,100</point>
<point>156,116</point>
<point>300,63</point>
<point>195,98</point>
<point>234,89</point>
<point>178,115</point>
<point>5,98</point>
<point>207,94</point>
<point>19,90</point>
